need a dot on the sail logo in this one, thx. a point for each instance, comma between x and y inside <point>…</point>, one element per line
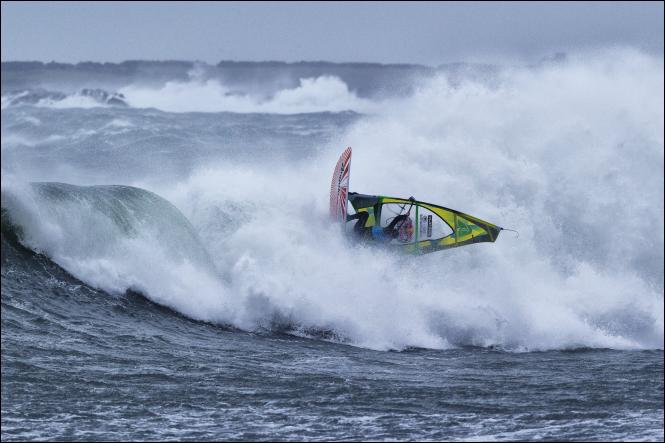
<point>462,227</point>
<point>425,226</point>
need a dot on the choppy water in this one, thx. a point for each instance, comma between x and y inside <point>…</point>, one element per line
<point>168,271</point>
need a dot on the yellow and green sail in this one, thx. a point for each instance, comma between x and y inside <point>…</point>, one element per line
<point>434,227</point>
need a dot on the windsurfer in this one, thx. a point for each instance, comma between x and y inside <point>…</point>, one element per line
<point>376,232</point>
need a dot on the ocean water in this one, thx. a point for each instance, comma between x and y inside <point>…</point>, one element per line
<point>169,271</point>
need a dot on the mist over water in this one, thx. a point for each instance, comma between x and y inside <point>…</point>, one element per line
<point>570,154</point>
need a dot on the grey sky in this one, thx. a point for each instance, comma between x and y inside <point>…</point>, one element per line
<point>390,32</point>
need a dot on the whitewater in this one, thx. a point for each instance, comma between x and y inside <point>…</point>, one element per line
<point>182,218</point>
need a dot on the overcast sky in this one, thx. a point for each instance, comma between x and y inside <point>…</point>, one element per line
<point>390,32</point>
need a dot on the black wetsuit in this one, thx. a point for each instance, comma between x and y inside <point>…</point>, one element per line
<point>359,228</point>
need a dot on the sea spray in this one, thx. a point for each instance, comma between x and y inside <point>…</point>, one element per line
<point>570,154</point>
<point>562,152</point>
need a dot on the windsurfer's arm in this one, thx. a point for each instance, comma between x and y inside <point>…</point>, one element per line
<point>355,216</point>
<point>396,220</point>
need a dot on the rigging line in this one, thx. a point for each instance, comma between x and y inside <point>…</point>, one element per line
<point>511,230</point>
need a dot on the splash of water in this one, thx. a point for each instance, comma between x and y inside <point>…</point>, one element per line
<point>570,154</point>
<point>319,94</point>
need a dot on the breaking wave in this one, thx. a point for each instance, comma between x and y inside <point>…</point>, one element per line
<point>85,98</point>
<point>320,94</point>
<point>570,154</point>
<point>317,94</point>
<point>115,238</point>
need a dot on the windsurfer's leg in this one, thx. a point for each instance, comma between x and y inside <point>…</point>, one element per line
<point>359,227</point>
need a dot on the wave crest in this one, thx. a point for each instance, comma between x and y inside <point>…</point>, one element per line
<point>320,94</point>
<point>117,238</point>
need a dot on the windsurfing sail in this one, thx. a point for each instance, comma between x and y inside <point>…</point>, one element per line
<point>339,187</point>
<point>423,227</point>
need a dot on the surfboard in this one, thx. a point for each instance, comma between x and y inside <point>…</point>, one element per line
<point>339,187</point>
